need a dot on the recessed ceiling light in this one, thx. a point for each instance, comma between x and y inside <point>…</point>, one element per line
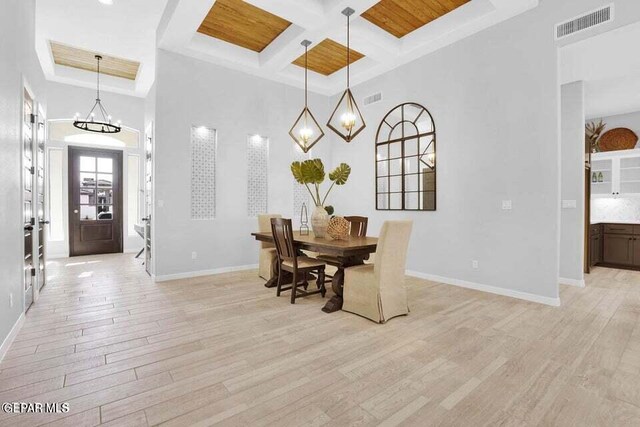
<point>107,2</point>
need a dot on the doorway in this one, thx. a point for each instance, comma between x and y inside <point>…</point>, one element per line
<point>28,122</point>
<point>95,201</point>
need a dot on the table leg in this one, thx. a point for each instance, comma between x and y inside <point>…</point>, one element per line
<point>337,284</point>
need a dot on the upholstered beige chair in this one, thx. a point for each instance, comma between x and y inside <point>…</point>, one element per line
<point>377,291</point>
<point>267,250</point>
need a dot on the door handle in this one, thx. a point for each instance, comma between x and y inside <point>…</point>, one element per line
<point>145,219</point>
<point>75,211</point>
<point>44,222</point>
<point>28,227</point>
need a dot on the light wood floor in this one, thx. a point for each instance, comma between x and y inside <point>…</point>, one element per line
<point>224,350</point>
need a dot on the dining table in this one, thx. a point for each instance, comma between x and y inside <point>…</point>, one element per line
<point>344,253</point>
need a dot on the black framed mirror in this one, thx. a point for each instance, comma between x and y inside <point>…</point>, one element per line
<point>406,160</point>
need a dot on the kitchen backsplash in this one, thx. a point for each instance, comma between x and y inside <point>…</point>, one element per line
<point>615,210</point>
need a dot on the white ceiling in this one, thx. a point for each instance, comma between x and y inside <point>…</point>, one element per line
<point>316,20</point>
<point>126,29</point>
<point>609,64</point>
<point>130,29</point>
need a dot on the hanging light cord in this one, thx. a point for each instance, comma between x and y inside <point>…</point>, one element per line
<point>348,50</point>
<point>306,48</point>
<point>98,85</point>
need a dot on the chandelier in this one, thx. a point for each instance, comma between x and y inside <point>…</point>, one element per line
<point>100,122</point>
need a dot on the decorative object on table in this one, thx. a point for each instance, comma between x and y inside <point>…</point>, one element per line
<point>600,177</point>
<point>304,221</point>
<point>592,133</point>
<point>406,160</point>
<point>306,131</point>
<point>338,228</point>
<point>92,123</point>
<point>618,139</point>
<point>346,120</point>
<point>329,210</point>
<point>311,172</point>
<point>594,177</point>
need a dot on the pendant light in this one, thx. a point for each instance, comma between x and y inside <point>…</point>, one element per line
<point>97,124</point>
<point>346,120</point>
<point>306,131</point>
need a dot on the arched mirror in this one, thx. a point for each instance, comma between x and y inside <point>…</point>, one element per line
<point>406,160</point>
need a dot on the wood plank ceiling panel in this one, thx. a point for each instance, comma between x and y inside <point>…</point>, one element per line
<point>327,57</point>
<point>85,60</point>
<point>400,17</point>
<point>242,24</point>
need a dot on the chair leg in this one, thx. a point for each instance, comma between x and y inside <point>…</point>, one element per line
<point>279,272</point>
<point>294,287</point>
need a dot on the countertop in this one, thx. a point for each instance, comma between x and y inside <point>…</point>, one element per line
<point>616,222</point>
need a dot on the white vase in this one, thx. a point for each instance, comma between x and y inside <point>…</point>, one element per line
<point>319,221</point>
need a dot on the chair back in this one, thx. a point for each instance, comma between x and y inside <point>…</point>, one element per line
<point>283,238</point>
<point>264,226</point>
<point>358,225</point>
<point>391,253</point>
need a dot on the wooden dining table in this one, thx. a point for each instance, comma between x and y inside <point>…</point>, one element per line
<point>349,252</point>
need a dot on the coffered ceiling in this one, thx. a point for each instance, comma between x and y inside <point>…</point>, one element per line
<point>81,59</point>
<point>262,37</point>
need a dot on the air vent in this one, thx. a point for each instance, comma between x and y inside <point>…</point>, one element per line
<point>584,21</point>
<point>372,99</point>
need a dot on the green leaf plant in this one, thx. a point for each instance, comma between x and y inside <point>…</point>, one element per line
<point>311,173</point>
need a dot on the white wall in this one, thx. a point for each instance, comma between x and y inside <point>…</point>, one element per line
<point>572,184</point>
<point>191,92</point>
<point>63,102</point>
<point>18,65</point>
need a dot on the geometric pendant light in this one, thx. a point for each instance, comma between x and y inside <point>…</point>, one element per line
<point>306,131</point>
<point>346,120</point>
<point>97,124</point>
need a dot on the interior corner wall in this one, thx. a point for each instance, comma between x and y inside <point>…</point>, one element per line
<point>18,65</point>
<point>191,92</point>
<point>572,231</point>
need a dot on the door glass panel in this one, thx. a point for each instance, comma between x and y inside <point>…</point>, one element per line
<point>105,165</point>
<point>105,212</point>
<point>105,197</point>
<point>87,196</point>
<point>87,180</point>
<point>87,164</point>
<point>105,180</point>
<point>87,213</point>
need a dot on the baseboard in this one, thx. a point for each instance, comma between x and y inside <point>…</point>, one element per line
<point>487,288</point>
<point>12,335</point>
<point>571,282</point>
<point>190,274</point>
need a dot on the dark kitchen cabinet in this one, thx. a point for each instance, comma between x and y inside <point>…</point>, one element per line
<point>618,249</point>
<point>596,249</point>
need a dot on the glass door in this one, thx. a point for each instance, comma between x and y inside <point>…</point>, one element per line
<point>148,197</point>
<point>28,120</point>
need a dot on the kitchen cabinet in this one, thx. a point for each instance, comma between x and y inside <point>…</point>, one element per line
<point>618,249</point>
<point>615,173</point>
<point>615,245</point>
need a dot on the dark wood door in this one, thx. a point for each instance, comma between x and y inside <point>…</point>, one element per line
<point>636,251</point>
<point>28,120</point>
<point>95,201</point>
<point>618,249</point>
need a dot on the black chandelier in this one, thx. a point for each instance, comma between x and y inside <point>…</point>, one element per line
<point>91,123</point>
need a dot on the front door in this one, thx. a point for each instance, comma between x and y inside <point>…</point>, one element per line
<point>28,120</point>
<point>95,201</point>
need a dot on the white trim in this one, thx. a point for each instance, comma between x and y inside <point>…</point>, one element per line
<point>190,274</point>
<point>571,282</point>
<point>11,336</point>
<point>487,288</point>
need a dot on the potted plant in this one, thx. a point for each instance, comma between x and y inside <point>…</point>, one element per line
<point>311,172</point>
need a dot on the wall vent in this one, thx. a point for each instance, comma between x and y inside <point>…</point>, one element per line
<point>584,22</point>
<point>372,99</point>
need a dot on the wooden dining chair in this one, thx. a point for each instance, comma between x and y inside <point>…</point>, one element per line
<point>358,228</point>
<point>377,291</point>
<point>299,266</point>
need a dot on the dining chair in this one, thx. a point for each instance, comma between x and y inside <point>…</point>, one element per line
<point>376,291</point>
<point>289,260</point>
<point>267,255</point>
<point>358,228</point>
